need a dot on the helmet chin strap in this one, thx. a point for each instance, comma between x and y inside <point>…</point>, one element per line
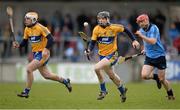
<point>32,24</point>
<point>108,21</point>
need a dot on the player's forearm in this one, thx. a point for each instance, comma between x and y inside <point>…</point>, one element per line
<point>148,40</point>
<point>91,45</point>
<point>50,41</point>
<point>23,43</point>
<point>129,33</point>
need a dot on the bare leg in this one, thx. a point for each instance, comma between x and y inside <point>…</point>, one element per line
<point>49,75</point>
<point>166,84</point>
<point>52,76</point>
<point>32,66</point>
<point>98,67</point>
<point>114,77</point>
<point>161,74</point>
<point>146,72</point>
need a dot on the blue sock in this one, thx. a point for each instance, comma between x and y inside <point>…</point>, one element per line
<point>26,90</point>
<point>121,89</point>
<point>102,86</point>
<point>64,81</point>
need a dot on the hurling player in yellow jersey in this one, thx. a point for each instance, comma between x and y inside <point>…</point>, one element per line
<point>105,35</point>
<point>41,41</point>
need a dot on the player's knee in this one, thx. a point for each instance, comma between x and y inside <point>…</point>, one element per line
<point>162,79</point>
<point>143,77</point>
<point>46,76</point>
<point>96,69</point>
<point>28,70</point>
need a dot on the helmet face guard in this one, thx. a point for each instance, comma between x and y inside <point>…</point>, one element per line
<point>101,15</point>
<point>33,16</point>
<point>143,18</point>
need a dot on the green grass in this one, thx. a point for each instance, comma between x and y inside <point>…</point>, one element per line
<point>55,96</point>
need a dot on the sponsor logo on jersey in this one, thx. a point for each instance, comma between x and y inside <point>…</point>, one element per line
<point>105,40</point>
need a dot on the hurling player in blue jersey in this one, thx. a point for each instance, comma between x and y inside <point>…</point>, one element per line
<point>155,54</point>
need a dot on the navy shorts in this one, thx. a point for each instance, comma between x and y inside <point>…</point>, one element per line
<point>159,62</point>
<point>38,56</point>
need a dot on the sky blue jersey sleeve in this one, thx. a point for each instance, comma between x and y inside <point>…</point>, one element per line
<point>154,32</point>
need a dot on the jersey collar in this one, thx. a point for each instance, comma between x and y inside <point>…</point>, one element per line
<point>148,28</point>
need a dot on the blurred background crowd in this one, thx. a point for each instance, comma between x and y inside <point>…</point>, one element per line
<point>65,25</point>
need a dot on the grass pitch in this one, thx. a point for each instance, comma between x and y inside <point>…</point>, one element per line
<point>83,96</point>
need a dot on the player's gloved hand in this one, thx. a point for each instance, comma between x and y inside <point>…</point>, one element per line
<point>143,51</point>
<point>87,52</point>
<point>15,44</point>
<point>136,44</point>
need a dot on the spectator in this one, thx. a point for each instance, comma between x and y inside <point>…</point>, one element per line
<point>173,32</point>
<point>81,19</point>
<point>177,23</point>
<point>57,40</point>
<point>160,21</point>
<point>56,20</point>
<point>68,22</point>
<point>6,41</point>
<point>132,21</point>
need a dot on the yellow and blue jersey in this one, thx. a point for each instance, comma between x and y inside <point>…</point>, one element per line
<point>107,38</point>
<point>37,36</point>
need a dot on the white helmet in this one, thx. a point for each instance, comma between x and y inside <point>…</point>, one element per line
<point>33,16</point>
